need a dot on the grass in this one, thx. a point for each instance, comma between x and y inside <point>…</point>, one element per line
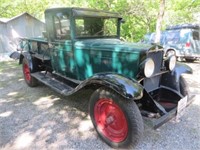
<point>7,66</point>
<point>9,71</point>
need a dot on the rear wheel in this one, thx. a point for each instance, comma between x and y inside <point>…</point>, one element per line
<point>117,120</point>
<point>31,81</point>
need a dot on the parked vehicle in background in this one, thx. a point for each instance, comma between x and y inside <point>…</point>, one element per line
<point>180,40</point>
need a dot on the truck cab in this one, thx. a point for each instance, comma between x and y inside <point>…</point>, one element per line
<point>78,37</point>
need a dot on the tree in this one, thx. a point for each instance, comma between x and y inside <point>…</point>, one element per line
<point>9,8</point>
<point>140,15</point>
<point>181,11</point>
<point>159,21</point>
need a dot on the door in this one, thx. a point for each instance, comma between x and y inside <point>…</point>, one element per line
<point>62,51</point>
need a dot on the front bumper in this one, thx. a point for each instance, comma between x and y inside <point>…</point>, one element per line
<point>157,122</point>
<point>163,93</point>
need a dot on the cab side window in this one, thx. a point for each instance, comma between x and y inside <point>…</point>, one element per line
<point>196,35</point>
<point>62,26</point>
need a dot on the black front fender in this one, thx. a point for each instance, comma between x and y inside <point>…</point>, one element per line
<point>180,69</point>
<point>172,79</point>
<point>126,87</point>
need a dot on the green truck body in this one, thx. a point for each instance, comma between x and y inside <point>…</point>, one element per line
<point>82,49</point>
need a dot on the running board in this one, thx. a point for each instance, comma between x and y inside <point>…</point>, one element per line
<point>53,83</point>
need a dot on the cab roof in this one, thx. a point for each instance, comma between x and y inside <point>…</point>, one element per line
<point>184,26</point>
<point>76,11</point>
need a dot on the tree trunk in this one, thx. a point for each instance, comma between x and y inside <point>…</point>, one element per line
<point>159,21</point>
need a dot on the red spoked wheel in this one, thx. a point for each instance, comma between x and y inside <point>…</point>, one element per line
<point>117,120</point>
<point>31,81</point>
<point>27,73</point>
<point>110,120</point>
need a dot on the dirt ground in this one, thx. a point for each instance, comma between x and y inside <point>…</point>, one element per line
<point>39,118</point>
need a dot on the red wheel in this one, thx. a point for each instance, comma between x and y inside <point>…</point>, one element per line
<point>117,120</point>
<point>111,120</point>
<point>31,81</point>
<point>27,73</point>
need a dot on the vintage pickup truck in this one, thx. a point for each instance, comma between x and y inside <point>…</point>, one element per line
<point>81,49</point>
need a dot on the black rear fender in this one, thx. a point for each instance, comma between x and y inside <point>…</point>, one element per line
<point>27,56</point>
<point>126,87</point>
<point>32,62</point>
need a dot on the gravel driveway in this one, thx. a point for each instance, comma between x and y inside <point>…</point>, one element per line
<point>39,118</point>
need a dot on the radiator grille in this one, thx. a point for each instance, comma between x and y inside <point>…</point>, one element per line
<point>152,83</point>
<point>157,57</point>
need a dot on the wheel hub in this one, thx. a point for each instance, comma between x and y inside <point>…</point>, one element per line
<point>110,120</point>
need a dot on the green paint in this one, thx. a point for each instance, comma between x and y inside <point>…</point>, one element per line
<point>89,71</point>
<point>78,55</point>
<point>61,60</point>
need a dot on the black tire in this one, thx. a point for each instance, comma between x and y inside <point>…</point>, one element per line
<point>183,86</point>
<point>190,59</point>
<point>118,113</point>
<point>31,81</point>
<point>84,96</point>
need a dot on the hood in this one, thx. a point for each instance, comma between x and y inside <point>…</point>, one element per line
<point>111,55</point>
<point>113,45</point>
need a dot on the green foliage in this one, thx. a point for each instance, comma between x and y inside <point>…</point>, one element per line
<point>182,11</point>
<point>9,8</point>
<point>140,15</point>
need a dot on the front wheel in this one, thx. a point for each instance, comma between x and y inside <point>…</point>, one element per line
<point>31,81</point>
<point>117,121</point>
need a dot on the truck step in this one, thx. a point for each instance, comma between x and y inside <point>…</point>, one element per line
<point>53,83</point>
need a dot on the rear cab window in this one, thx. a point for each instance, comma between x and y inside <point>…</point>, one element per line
<point>62,26</point>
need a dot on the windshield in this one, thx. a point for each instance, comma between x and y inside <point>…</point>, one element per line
<point>172,37</point>
<point>96,27</point>
<point>176,36</point>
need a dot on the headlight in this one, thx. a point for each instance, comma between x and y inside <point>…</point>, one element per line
<point>171,62</point>
<point>149,67</point>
